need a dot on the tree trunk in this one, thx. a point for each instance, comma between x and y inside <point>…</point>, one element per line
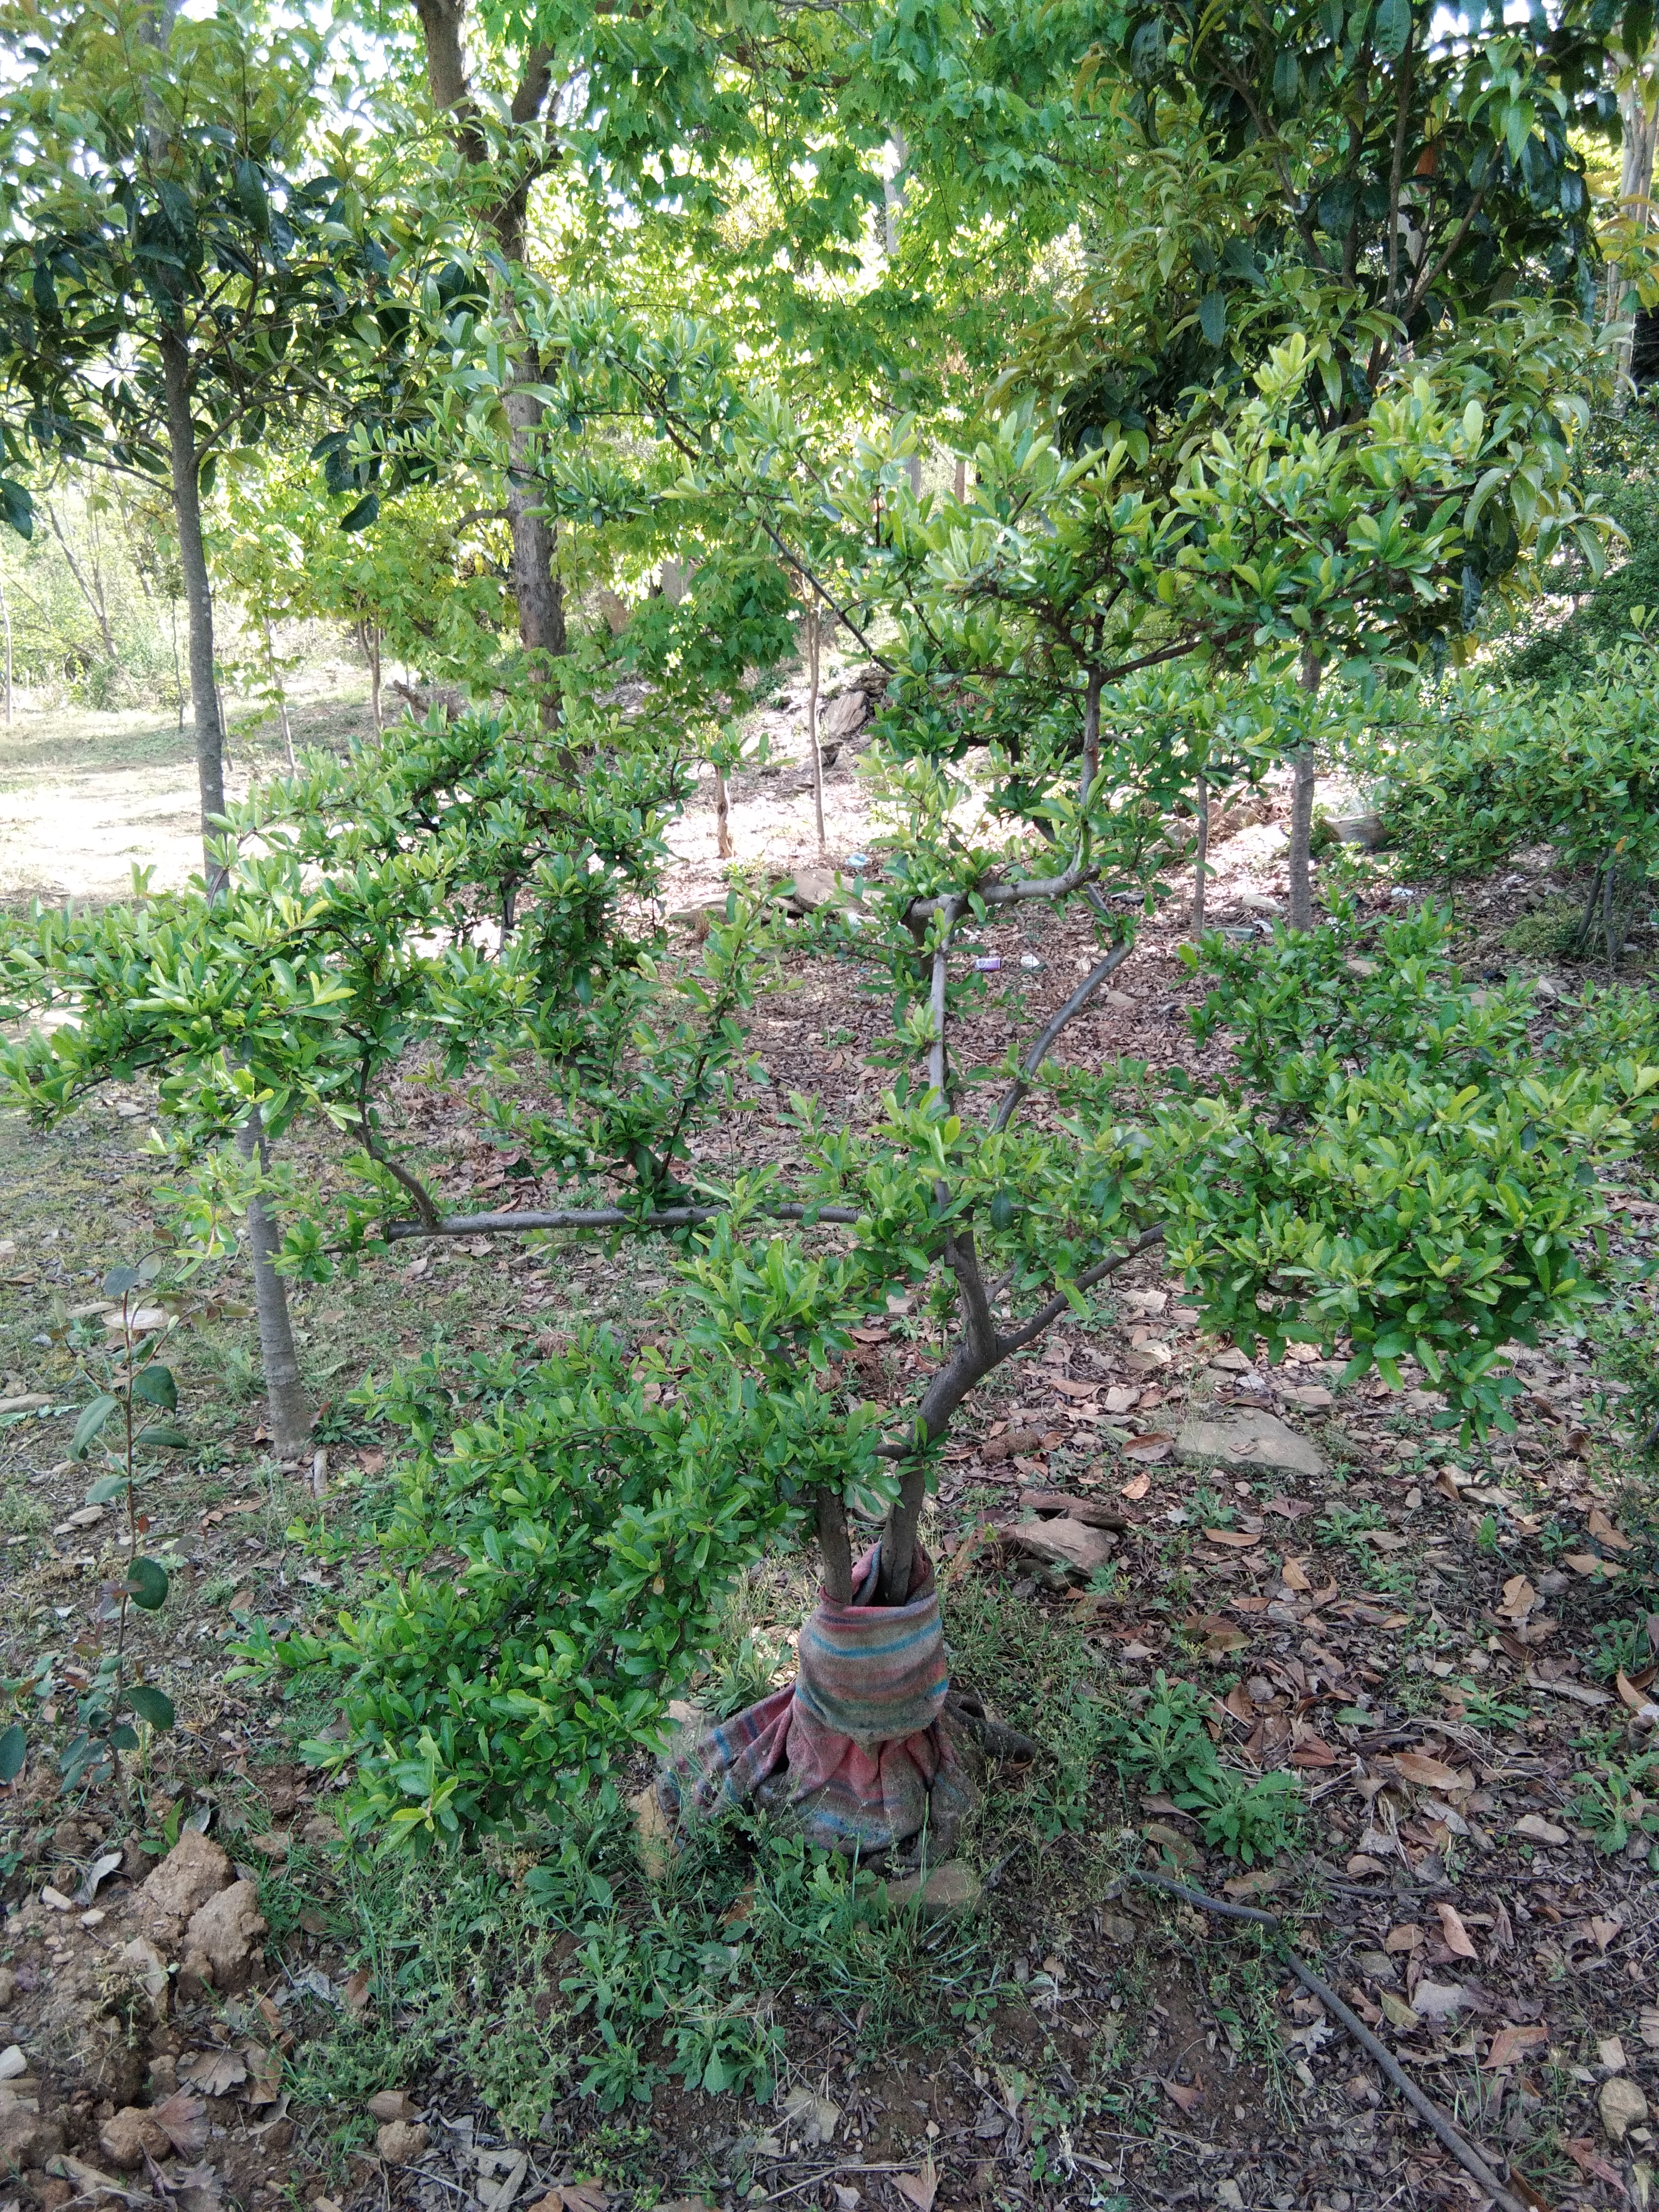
<point>836,1549</point>
<point>282,696</point>
<point>723,844</point>
<point>1301,804</point>
<point>288,1413</point>
<point>1201,870</point>
<point>537,589</point>
<point>198,594</point>
<point>5,612</point>
<point>1640,132</point>
<point>814,639</point>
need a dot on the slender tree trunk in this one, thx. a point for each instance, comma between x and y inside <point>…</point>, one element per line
<point>814,636</point>
<point>1301,804</point>
<point>198,592</point>
<point>539,593</point>
<point>723,844</point>
<point>836,1549</point>
<point>536,588</point>
<point>288,1413</point>
<point>1639,134</point>
<point>962,477</point>
<point>282,696</point>
<point>5,613</point>
<point>1201,870</point>
<point>94,600</point>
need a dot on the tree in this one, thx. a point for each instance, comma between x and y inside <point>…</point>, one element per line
<point>176,273</point>
<point>1371,1176</point>
<point>1393,183</point>
<point>292,988</point>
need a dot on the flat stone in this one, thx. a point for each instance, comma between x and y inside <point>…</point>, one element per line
<point>811,889</point>
<point>844,717</point>
<point>1622,2106</point>
<point>949,1890</point>
<point>225,1934</point>
<point>1251,1439</point>
<point>400,2143</point>
<point>1064,1543</point>
<point>1093,1512</point>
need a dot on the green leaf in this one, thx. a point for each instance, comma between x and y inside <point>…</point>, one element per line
<point>147,1584</point>
<point>106,1487</point>
<point>162,1436</point>
<point>123,1737</point>
<point>1392,27</point>
<point>92,1420</point>
<point>156,1387</point>
<point>1212,317</point>
<point>151,1704</point>
<point>120,1280</point>
<point>17,508</point>
<point>364,512</point>
<point>14,1749</point>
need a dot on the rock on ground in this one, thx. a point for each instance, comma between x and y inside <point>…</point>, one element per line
<point>1251,1439</point>
<point>224,1935</point>
<point>193,1871</point>
<point>127,2136</point>
<point>1064,1543</point>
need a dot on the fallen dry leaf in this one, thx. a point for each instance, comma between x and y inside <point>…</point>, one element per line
<point>185,2120</point>
<point>1637,1701</point>
<point>1294,1576</point>
<point>355,1994</point>
<point>1604,1532</point>
<point>1589,2160</point>
<point>1313,1751</point>
<point>264,2074</point>
<point>1406,1937</point>
<point>1236,1539</point>
<point>1398,2012</point>
<point>1587,1563</point>
<point>1138,1488</point>
<point>1150,1448</point>
<point>1455,1934</point>
<point>576,2196</point>
<point>1520,1599</point>
<point>919,2189</point>
<point>1290,1508</point>
<point>215,2073</point>
<point>1427,1773</point>
<point>1510,2043</point>
<point>387,2104</point>
<point>1188,2096</point>
<point>1603,1928</point>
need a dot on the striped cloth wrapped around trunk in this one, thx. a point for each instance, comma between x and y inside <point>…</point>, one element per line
<point>853,1749</point>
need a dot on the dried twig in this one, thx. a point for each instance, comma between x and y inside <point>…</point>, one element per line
<point>1464,2152</point>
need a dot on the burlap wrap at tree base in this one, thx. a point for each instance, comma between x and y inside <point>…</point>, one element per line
<point>854,1752</point>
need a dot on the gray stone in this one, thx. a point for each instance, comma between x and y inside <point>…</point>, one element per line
<point>844,717</point>
<point>1251,1439</point>
<point>1064,1543</point>
<point>950,1889</point>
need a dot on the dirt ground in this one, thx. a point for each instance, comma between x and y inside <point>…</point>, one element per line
<point>1452,1651</point>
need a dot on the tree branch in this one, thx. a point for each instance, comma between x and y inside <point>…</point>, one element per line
<point>1080,998</point>
<point>601,1217</point>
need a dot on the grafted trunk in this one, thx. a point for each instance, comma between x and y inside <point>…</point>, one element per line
<point>814,636</point>
<point>198,592</point>
<point>1201,868</point>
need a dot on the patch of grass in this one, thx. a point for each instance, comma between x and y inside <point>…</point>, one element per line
<point>1550,931</point>
<point>1345,1526</point>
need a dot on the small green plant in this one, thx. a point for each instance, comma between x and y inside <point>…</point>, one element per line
<point>1624,1645</point>
<point>1167,1748</point>
<point>1347,1526</point>
<point>1618,1799</point>
<point>1486,1708</point>
<point>1550,931</point>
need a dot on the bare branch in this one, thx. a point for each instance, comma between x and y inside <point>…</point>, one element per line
<point>1086,1280</point>
<point>1040,1051</point>
<point>1028,887</point>
<point>599,1217</point>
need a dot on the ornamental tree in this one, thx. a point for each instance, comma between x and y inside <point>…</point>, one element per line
<point>1383,1172</point>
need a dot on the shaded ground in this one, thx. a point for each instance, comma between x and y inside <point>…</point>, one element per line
<point>1430,1641</point>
